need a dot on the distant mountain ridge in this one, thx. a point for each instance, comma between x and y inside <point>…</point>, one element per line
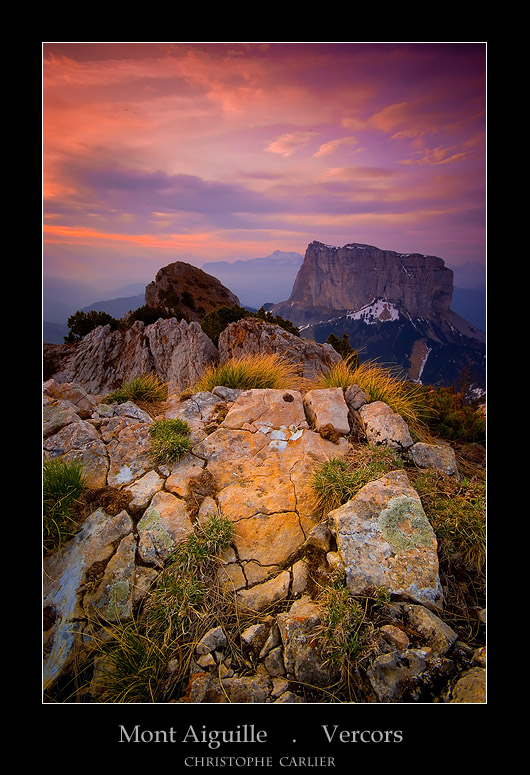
<point>258,281</point>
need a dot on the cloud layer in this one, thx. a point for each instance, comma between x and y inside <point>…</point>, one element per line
<point>227,151</point>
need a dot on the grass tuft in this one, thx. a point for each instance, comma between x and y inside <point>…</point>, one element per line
<point>63,484</point>
<point>343,628</point>
<point>337,480</point>
<point>169,440</point>
<point>264,370</point>
<point>148,658</point>
<point>146,389</point>
<point>457,512</point>
<point>380,383</point>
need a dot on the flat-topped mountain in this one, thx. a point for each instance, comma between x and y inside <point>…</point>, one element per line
<point>394,307</point>
<point>346,279</point>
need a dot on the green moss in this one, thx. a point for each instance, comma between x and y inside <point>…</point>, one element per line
<point>404,524</point>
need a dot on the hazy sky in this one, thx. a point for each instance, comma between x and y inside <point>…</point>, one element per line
<point>157,152</point>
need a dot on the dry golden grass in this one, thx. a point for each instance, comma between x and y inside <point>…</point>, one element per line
<point>263,370</point>
<point>380,383</point>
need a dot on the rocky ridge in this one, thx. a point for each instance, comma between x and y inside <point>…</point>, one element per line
<point>251,457</point>
<point>178,352</point>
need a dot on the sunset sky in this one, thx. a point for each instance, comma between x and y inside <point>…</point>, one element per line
<point>158,152</point>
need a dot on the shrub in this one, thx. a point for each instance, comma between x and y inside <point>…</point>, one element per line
<point>147,388</point>
<point>82,323</point>
<point>169,440</point>
<point>452,417</point>
<point>146,314</point>
<point>264,370</point>
<point>216,321</point>
<point>63,484</point>
<point>344,348</point>
<point>457,512</point>
<point>337,480</point>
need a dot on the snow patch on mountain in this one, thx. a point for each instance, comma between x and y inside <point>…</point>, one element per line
<point>378,311</point>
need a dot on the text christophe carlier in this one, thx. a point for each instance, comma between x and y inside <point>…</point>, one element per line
<point>247,733</point>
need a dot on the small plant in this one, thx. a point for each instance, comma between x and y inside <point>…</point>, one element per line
<point>264,370</point>
<point>169,440</point>
<point>63,484</point>
<point>184,587</point>
<point>343,626</point>
<point>452,417</point>
<point>337,480</point>
<point>457,512</point>
<point>207,541</point>
<point>147,389</point>
<point>135,665</point>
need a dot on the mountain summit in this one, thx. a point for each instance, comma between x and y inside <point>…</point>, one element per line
<point>394,307</point>
<point>346,279</point>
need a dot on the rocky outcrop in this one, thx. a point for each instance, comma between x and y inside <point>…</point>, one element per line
<point>250,336</point>
<point>251,460</point>
<point>339,280</point>
<point>177,352</point>
<point>185,288</point>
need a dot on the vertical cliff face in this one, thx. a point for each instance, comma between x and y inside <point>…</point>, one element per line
<point>346,279</point>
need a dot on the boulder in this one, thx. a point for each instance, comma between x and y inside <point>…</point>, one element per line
<point>164,524</point>
<point>304,656</point>
<point>441,457</point>
<point>250,336</point>
<point>385,540</point>
<point>384,426</point>
<point>397,676</point>
<point>327,407</point>
<point>470,687</point>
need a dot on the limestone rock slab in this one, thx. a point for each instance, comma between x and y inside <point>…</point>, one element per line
<point>385,540</point>
<point>164,524</point>
<point>327,407</point>
<point>65,575</point>
<point>384,426</point>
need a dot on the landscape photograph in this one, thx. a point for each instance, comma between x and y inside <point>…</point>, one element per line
<point>264,392</point>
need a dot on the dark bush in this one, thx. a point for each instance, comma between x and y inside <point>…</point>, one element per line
<point>344,348</point>
<point>146,314</point>
<point>82,323</point>
<point>215,322</point>
<point>452,418</point>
